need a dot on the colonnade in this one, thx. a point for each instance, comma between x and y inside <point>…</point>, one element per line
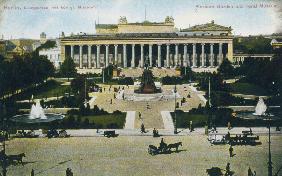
<point>194,59</point>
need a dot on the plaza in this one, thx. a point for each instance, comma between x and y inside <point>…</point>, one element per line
<point>128,155</point>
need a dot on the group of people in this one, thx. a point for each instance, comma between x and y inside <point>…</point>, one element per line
<point>155,133</point>
<point>69,172</point>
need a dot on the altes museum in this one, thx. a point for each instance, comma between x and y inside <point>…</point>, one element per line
<point>157,44</point>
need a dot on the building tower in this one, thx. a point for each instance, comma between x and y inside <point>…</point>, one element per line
<point>43,38</point>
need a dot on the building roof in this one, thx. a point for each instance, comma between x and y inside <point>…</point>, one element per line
<point>207,27</point>
<point>277,40</point>
<point>135,35</point>
<point>106,26</point>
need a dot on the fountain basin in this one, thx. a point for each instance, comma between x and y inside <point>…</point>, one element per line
<point>25,118</point>
<point>253,116</point>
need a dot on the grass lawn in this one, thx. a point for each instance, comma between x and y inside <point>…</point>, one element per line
<point>51,88</point>
<point>183,119</point>
<point>52,91</point>
<point>106,120</point>
<point>247,88</point>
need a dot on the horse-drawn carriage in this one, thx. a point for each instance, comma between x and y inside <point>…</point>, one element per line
<point>216,139</point>
<point>110,133</point>
<point>11,158</point>
<point>164,148</point>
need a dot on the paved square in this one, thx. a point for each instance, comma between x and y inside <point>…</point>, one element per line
<point>127,155</point>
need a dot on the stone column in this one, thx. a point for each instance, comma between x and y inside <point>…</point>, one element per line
<point>124,56</point>
<point>133,56</point>
<point>220,56</point>
<point>150,55</point>
<point>72,52</point>
<point>194,59</point>
<point>230,51</point>
<point>107,55</point>
<point>159,55</point>
<point>98,57</point>
<point>203,55</point>
<point>167,55</point>
<point>116,54</point>
<point>185,56</point>
<point>89,56</point>
<point>63,54</point>
<point>80,56</point>
<point>176,55</point>
<point>142,56</point>
<point>211,55</point>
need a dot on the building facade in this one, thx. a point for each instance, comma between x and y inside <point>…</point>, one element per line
<point>53,54</point>
<point>156,44</point>
<point>276,43</point>
<point>238,59</point>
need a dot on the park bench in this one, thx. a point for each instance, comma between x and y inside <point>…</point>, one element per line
<point>110,133</point>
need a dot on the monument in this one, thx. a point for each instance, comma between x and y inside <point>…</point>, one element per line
<point>147,85</point>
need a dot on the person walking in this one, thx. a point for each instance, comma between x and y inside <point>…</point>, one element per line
<point>250,173</point>
<point>230,151</point>
<point>32,172</point>
<point>143,128</point>
<point>227,168</point>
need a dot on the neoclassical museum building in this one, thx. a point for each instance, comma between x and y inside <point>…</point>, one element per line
<point>157,44</point>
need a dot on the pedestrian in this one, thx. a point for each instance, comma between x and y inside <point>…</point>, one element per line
<point>229,126</point>
<point>250,173</point>
<point>32,172</point>
<point>227,173</point>
<point>191,126</point>
<point>230,151</point>
<point>143,128</point>
<point>227,136</point>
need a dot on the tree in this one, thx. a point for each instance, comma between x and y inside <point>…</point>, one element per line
<point>226,69</point>
<point>68,68</point>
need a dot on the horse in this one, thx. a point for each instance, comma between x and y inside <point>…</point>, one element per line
<point>18,158</point>
<point>175,145</point>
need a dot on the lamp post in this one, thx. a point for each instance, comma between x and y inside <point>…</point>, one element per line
<point>175,127</point>
<point>269,151</point>
<point>4,166</point>
<point>103,74</point>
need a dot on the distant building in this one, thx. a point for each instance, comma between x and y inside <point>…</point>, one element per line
<point>43,38</point>
<point>2,48</point>
<point>53,54</point>
<point>238,59</point>
<point>276,43</point>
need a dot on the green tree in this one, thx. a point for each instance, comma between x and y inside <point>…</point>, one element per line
<point>226,69</point>
<point>68,68</point>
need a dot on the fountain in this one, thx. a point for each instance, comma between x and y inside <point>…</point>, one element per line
<point>260,112</point>
<point>37,115</point>
<point>260,108</point>
<point>37,112</point>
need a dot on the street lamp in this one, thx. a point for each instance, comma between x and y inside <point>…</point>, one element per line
<point>4,166</point>
<point>175,127</point>
<point>269,151</point>
<point>103,74</point>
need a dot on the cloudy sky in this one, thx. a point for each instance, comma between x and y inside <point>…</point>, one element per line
<point>28,18</point>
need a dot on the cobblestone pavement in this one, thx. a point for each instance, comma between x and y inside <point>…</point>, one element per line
<point>127,155</point>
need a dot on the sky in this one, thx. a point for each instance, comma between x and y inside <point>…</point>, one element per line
<point>28,18</point>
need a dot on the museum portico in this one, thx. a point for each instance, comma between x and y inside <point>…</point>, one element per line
<point>158,44</point>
